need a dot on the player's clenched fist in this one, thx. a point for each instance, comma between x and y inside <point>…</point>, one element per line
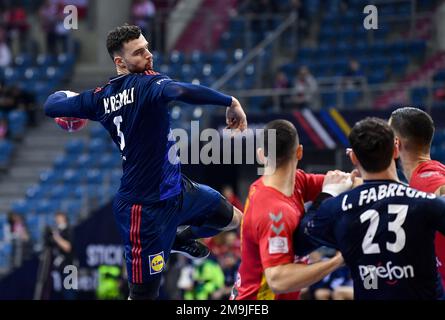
<point>336,182</point>
<point>235,116</point>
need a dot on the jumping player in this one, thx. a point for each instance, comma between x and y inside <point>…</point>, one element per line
<point>154,197</point>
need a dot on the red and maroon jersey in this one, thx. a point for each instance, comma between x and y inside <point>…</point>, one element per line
<point>429,176</point>
<point>269,220</point>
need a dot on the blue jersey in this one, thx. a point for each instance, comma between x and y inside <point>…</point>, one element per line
<point>133,109</point>
<point>385,231</point>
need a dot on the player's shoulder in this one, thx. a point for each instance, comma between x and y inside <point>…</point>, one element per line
<point>265,201</point>
<point>150,75</point>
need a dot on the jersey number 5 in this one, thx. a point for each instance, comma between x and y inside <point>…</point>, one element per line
<point>395,226</point>
<point>117,122</point>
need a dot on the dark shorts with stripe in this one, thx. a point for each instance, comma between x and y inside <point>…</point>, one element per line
<point>149,231</point>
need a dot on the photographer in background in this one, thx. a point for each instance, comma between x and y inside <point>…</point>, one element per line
<point>61,237</point>
<point>57,254</point>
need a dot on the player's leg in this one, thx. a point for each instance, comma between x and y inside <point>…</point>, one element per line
<point>148,232</point>
<point>206,212</point>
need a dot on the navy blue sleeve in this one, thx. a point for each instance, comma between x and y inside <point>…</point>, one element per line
<point>80,106</point>
<point>316,229</point>
<point>194,94</point>
<point>437,216</point>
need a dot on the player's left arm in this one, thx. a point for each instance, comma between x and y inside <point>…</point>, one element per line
<point>197,94</point>
<point>70,104</point>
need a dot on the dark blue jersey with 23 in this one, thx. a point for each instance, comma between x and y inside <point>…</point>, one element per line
<point>385,231</point>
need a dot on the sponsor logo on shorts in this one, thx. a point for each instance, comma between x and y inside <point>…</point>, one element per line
<point>156,262</point>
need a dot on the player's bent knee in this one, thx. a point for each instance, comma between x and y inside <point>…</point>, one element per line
<point>236,220</point>
<point>144,291</point>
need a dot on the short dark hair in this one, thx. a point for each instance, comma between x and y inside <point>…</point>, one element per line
<point>372,141</point>
<point>286,140</point>
<point>118,37</point>
<point>414,125</point>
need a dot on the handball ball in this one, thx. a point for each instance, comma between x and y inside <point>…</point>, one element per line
<point>71,124</point>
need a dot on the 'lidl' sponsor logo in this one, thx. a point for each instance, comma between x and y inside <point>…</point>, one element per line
<point>156,262</point>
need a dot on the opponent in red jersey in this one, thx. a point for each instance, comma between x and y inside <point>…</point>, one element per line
<point>273,210</point>
<point>414,131</point>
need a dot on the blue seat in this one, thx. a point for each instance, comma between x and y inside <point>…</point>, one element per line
<point>45,60</point>
<point>36,191</point>
<point>351,98</point>
<point>74,146</point>
<point>22,207</point>
<point>66,60</point>
<point>63,162</point>
<point>23,60</point>
<point>98,131</point>
<point>97,145</point>
<point>176,57</point>
<point>376,76</point>
<point>419,96</point>
<point>95,176</point>
<point>329,99</point>
<point>72,177</point>
<point>86,161</point>
<point>11,75</point>
<point>59,192</point>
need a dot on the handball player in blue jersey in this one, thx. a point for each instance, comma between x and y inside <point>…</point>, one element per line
<point>384,229</point>
<point>154,198</point>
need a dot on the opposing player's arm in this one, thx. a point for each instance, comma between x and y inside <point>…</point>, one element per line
<point>294,277</point>
<point>274,232</point>
<point>70,104</point>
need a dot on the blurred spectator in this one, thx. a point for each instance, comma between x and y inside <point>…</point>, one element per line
<point>352,75</point>
<point>223,243</point>
<point>305,89</point>
<point>3,128</point>
<point>25,101</point>
<point>17,25</point>
<point>7,100</point>
<point>52,17</point>
<point>19,236</point>
<point>229,263</point>
<point>229,193</point>
<point>208,279</point>
<point>5,51</point>
<point>143,14</point>
<point>281,82</point>
<point>81,5</point>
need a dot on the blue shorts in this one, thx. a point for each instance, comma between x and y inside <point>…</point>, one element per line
<point>149,231</point>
